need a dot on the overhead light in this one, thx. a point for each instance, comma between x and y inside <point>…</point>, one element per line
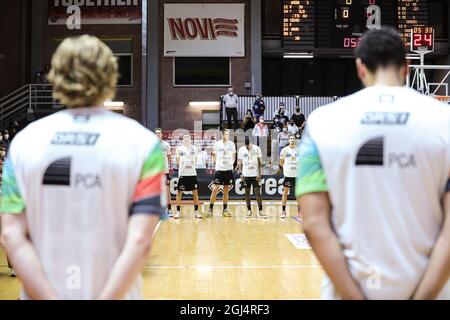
<point>204,104</point>
<point>114,104</point>
<point>298,55</point>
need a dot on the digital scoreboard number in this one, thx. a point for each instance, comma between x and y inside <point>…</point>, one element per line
<point>422,39</point>
<point>352,18</point>
<point>411,14</point>
<point>340,24</point>
<point>299,23</point>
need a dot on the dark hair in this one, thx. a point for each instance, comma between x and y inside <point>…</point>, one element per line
<point>159,129</point>
<point>381,48</point>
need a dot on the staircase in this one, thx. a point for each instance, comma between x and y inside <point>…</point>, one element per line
<point>29,103</point>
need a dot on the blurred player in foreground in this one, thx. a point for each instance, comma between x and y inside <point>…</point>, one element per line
<point>81,200</point>
<point>374,183</point>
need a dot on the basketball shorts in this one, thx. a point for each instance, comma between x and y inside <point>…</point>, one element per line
<point>289,182</point>
<point>224,178</point>
<point>247,182</point>
<point>187,183</point>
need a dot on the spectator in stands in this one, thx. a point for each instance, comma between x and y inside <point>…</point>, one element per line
<point>249,121</point>
<point>277,124</point>
<point>230,101</point>
<point>292,128</point>
<point>283,138</point>
<point>280,118</point>
<point>6,141</point>
<point>299,118</point>
<point>13,128</point>
<point>261,129</point>
<point>259,107</point>
<point>298,136</point>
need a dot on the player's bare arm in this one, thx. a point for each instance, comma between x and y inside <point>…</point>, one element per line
<point>438,270</point>
<point>316,209</point>
<point>24,258</point>
<point>131,261</point>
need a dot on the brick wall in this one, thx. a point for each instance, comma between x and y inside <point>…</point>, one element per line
<point>130,95</point>
<point>174,102</point>
<point>10,46</point>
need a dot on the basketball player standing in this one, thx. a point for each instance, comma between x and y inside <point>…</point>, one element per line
<point>374,183</point>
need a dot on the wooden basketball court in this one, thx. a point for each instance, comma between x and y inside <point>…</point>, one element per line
<point>222,258</point>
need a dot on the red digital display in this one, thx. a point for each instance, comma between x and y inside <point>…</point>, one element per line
<point>351,42</point>
<point>422,39</point>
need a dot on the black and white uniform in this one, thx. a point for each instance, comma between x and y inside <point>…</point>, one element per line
<point>224,163</point>
<point>250,165</point>
<point>186,171</point>
<point>290,157</point>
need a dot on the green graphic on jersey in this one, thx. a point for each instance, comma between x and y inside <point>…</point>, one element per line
<point>311,176</point>
<point>154,163</point>
<point>11,201</point>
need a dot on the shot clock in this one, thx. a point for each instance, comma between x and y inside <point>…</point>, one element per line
<point>422,39</point>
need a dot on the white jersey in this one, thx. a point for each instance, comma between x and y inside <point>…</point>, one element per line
<point>290,157</point>
<point>187,156</point>
<point>78,178</point>
<point>249,159</point>
<point>166,149</point>
<point>224,155</point>
<point>383,155</point>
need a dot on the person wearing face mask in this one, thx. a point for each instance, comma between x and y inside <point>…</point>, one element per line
<point>230,101</point>
<point>259,107</point>
<point>261,129</point>
<point>281,116</point>
<point>299,118</point>
<point>283,138</point>
<point>292,128</point>
<point>6,141</point>
<point>249,121</point>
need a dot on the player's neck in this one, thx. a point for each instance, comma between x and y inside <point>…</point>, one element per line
<point>386,77</point>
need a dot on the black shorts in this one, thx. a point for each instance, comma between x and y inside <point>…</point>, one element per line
<point>224,178</point>
<point>167,179</point>
<point>247,182</point>
<point>187,183</point>
<point>289,182</point>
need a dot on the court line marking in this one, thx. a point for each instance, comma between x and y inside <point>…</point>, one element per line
<point>236,267</point>
<point>157,227</point>
<point>298,219</point>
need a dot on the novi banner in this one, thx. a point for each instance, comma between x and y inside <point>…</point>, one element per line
<point>271,188</point>
<point>204,30</point>
<point>96,11</point>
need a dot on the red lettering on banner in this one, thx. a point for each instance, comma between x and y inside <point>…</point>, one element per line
<point>206,28</point>
<point>176,28</point>
<point>190,28</point>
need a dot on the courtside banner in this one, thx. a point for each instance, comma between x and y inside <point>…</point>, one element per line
<point>204,30</point>
<point>95,11</point>
<point>271,187</point>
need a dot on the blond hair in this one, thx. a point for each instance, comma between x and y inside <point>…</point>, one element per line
<point>84,72</point>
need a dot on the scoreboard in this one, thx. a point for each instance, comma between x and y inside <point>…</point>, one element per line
<point>339,24</point>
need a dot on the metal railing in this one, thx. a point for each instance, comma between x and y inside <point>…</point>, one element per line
<point>420,82</point>
<point>27,100</point>
<point>307,105</point>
